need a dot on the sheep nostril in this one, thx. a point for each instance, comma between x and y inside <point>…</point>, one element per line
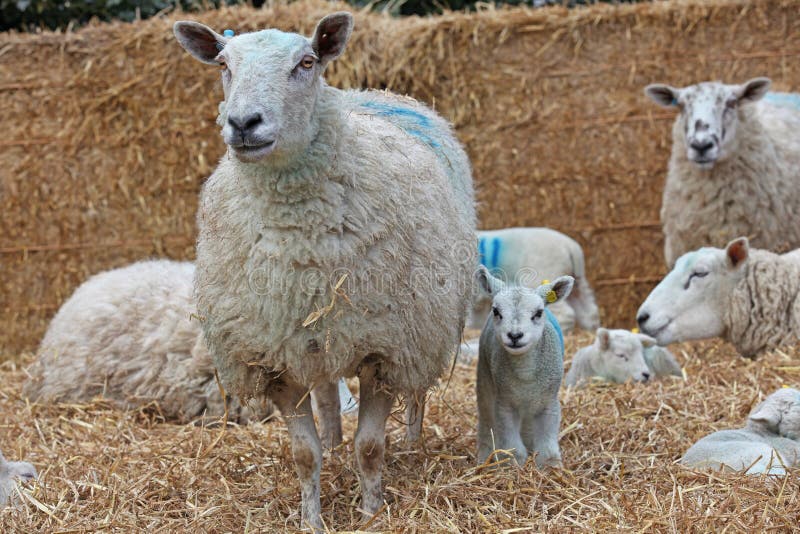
<point>642,318</point>
<point>514,337</point>
<point>646,376</point>
<point>702,146</point>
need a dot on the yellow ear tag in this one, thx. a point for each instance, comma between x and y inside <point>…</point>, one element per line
<point>785,386</point>
<point>634,330</point>
<point>551,296</point>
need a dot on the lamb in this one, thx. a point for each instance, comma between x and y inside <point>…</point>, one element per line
<point>10,474</point>
<point>336,239</point>
<point>748,297</point>
<point>127,335</point>
<point>620,355</point>
<point>520,365</point>
<point>768,443</point>
<point>734,169</point>
<point>528,256</point>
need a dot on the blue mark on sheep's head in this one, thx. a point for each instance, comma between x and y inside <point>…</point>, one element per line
<point>271,81</point>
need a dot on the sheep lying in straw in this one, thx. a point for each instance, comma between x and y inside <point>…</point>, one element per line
<point>748,297</point>
<point>127,335</point>
<point>735,166</point>
<point>620,355</point>
<point>10,474</point>
<point>767,444</point>
<point>527,256</point>
<point>520,366</point>
<point>335,239</point>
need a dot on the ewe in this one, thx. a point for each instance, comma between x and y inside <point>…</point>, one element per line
<point>767,444</point>
<point>127,335</point>
<point>526,256</point>
<point>336,238</point>
<point>520,366</point>
<point>735,167</point>
<point>748,297</point>
<point>10,474</point>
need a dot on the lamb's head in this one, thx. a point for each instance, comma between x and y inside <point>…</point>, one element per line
<point>10,473</point>
<point>691,301</point>
<point>708,115</point>
<point>620,355</point>
<point>778,414</point>
<point>271,81</point>
<point>518,312</point>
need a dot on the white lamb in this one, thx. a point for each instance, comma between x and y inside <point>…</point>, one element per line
<point>767,444</point>
<point>621,355</point>
<point>748,297</point>
<point>527,256</point>
<point>10,474</point>
<point>127,335</point>
<point>735,166</point>
<point>520,366</point>
<point>336,238</point>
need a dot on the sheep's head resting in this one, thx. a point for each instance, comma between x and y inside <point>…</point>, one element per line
<point>691,301</point>
<point>518,312</point>
<point>708,115</point>
<point>620,355</point>
<point>778,414</point>
<point>270,80</point>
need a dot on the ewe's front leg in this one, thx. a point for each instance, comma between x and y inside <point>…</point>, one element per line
<point>375,405</point>
<point>415,411</point>
<point>540,433</point>
<point>306,448</point>
<point>325,399</point>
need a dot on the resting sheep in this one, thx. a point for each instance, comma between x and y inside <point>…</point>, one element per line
<point>336,239</point>
<point>527,256</point>
<point>520,366</point>
<point>10,474</point>
<point>620,355</point>
<point>768,443</point>
<point>126,335</point>
<point>735,166</point>
<point>748,297</point>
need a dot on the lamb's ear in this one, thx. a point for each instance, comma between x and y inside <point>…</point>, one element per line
<point>663,95</point>
<point>603,338</point>
<point>199,40</point>
<point>646,340</point>
<point>766,415</point>
<point>331,35</point>
<point>488,283</point>
<point>737,251</point>
<point>557,290</point>
<point>753,90</point>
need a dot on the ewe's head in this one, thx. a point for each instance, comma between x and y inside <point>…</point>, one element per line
<point>518,312</point>
<point>779,414</point>
<point>691,301</point>
<point>271,80</point>
<point>620,355</point>
<point>709,115</point>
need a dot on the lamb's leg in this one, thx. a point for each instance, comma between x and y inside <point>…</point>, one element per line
<point>415,410</point>
<point>375,405</point>
<point>540,434</point>
<point>507,433</point>
<point>325,399</point>
<point>306,447</point>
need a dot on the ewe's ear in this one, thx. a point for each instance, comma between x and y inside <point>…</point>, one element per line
<point>199,40</point>
<point>663,95</point>
<point>488,283</point>
<point>559,289</point>
<point>767,415</point>
<point>737,251</point>
<point>603,338</point>
<point>331,36</point>
<point>753,90</point>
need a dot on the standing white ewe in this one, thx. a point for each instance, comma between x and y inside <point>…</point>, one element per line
<point>748,297</point>
<point>336,238</point>
<point>735,166</point>
<point>527,256</point>
<point>769,442</point>
<point>520,367</point>
<point>10,474</point>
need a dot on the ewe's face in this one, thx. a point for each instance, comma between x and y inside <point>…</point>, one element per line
<point>708,115</point>
<point>779,413</point>
<point>621,355</point>
<point>690,301</point>
<point>518,316</point>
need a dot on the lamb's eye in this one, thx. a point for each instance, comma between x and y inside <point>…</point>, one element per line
<point>536,315</point>
<point>307,62</point>
<point>620,356</point>
<point>731,104</point>
<point>496,312</point>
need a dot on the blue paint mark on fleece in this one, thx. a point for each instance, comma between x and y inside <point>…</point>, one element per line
<point>783,99</point>
<point>482,252</point>
<point>495,252</point>
<point>489,252</point>
<point>554,323</point>
<point>409,120</point>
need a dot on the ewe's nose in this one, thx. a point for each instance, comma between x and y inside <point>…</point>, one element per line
<point>642,318</point>
<point>702,146</point>
<point>645,376</point>
<point>245,125</point>
<point>515,336</point>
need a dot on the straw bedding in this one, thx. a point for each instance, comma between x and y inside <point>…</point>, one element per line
<point>109,131</point>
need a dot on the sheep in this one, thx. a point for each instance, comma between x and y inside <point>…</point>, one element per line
<point>768,443</point>
<point>336,239</point>
<point>528,256</point>
<point>734,167</point>
<point>748,297</point>
<point>520,365</point>
<point>10,474</point>
<point>127,335</point>
<point>620,355</point>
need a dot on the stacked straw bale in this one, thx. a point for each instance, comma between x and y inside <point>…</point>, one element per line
<point>110,130</point>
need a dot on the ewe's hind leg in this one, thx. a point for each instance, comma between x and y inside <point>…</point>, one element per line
<point>583,303</point>
<point>306,448</point>
<point>325,399</point>
<point>540,434</point>
<point>375,405</point>
<point>415,411</point>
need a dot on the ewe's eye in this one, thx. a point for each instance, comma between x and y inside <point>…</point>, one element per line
<point>307,62</point>
<point>496,312</point>
<point>698,274</point>
<point>536,315</point>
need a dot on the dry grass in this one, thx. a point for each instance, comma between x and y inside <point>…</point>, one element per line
<point>125,471</point>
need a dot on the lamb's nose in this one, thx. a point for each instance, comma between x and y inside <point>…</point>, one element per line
<point>245,125</point>
<point>514,337</point>
<point>642,318</point>
<point>702,146</point>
